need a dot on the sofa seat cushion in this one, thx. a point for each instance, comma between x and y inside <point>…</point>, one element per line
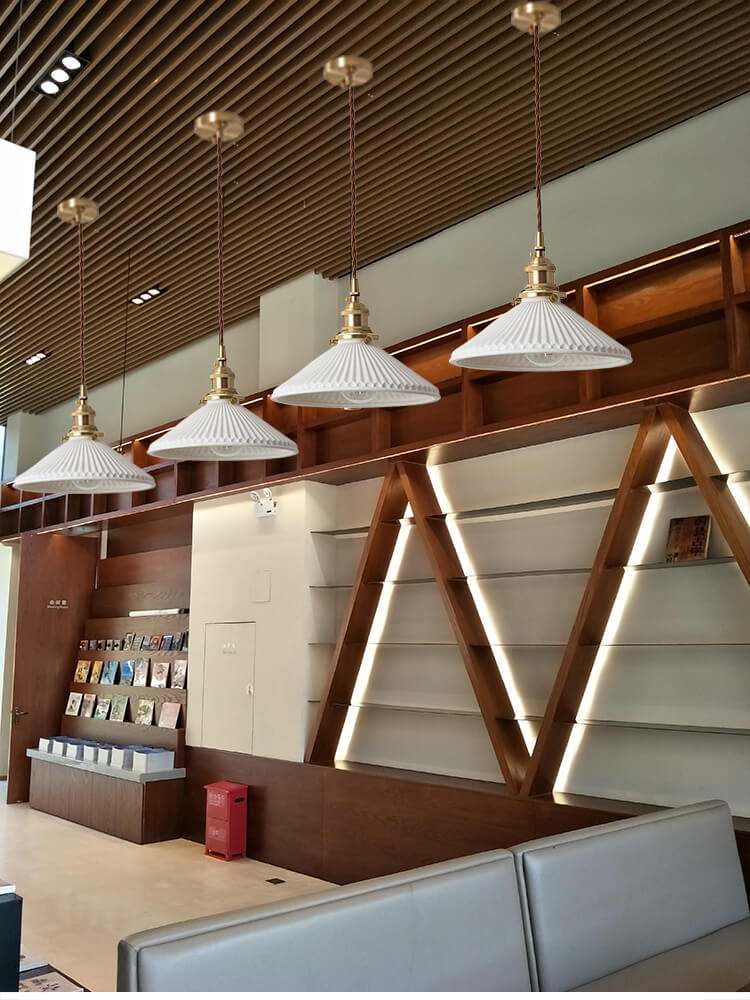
<point>719,962</point>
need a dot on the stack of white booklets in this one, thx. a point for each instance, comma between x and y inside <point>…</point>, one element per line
<point>149,759</point>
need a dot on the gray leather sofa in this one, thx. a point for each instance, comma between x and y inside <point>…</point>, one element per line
<point>655,903</point>
<point>647,904</point>
<point>450,926</point>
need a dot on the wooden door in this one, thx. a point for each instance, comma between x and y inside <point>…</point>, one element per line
<point>57,574</point>
<point>228,686</point>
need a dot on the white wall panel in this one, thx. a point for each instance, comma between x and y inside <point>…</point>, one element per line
<point>674,685</point>
<point>532,610</point>
<point>667,767</point>
<point>428,677</point>
<point>424,741</point>
<point>699,603</point>
<point>558,468</point>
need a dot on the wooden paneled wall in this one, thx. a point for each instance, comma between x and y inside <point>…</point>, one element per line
<point>343,825</point>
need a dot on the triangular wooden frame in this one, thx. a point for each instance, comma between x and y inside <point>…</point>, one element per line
<point>409,482</point>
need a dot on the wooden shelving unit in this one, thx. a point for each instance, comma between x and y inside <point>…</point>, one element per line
<point>684,312</point>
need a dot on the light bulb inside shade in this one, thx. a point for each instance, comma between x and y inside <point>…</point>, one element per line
<point>71,62</point>
<point>545,361</point>
<point>60,75</point>
<point>49,87</point>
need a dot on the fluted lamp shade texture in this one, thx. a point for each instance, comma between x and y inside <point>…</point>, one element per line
<point>224,430</point>
<point>84,465</point>
<point>355,374</point>
<point>539,333</point>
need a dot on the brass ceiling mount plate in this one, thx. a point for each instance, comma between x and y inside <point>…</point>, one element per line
<point>526,15</point>
<point>219,124</point>
<point>78,211</point>
<point>348,71</point>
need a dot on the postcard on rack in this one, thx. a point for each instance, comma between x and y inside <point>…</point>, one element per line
<point>159,674</point>
<point>109,674</point>
<point>102,708</point>
<point>179,673</point>
<point>169,714</point>
<point>119,708</point>
<point>144,715</point>
<point>74,703</point>
<point>140,672</point>
<point>166,643</point>
<point>96,672</point>
<point>87,705</point>
<point>81,675</point>
<point>127,668</point>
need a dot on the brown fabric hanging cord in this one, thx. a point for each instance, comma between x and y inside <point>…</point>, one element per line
<point>220,232</point>
<point>81,309</point>
<point>538,129</point>
<point>353,180</point>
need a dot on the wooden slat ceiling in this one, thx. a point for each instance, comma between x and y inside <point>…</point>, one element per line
<point>445,133</point>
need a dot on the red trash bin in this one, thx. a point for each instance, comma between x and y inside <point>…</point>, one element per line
<point>226,820</point>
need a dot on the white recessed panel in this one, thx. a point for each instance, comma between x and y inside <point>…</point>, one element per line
<point>424,741</point>
<point>666,767</point>
<point>674,685</point>
<point>688,604</point>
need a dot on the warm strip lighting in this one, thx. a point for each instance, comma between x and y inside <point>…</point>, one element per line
<point>612,629</point>
<point>423,343</point>
<point>36,358</point>
<point>652,263</point>
<point>483,610</point>
<point>359,694</point>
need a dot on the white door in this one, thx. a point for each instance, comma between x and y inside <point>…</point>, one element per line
<point>228,686</point>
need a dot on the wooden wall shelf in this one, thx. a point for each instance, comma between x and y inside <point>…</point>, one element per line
<point>684,311</point>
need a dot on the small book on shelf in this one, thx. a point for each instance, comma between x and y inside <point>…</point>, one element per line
<point>688,538</point>
<point>144,715</point>
<point>127,668</point>
<point>169,714</point>
<point>166,643</point>
<point>109,644</point>
<point>137,642</point>
<point>81,675</point>
<point>83,644</point>
<point>74,703</point>
<point>127,642</point>
<point>87,705</point>
<point>119,708</point>
<point>153,643</point>
<point>96,672</point>
<point>179,673</point>
<point>159,674</point>
<point>102,708</point>
<point>140,672</point>
<point>109,674</point>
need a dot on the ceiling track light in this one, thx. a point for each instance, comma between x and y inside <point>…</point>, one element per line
<point>150,293</point>
<point>61,73</point>
<point>83,463</point>
<point>539,333</point>
<point>353,373</point>
<point>221,429</point>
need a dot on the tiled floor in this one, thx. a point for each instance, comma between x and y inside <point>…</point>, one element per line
<point>83,891</point>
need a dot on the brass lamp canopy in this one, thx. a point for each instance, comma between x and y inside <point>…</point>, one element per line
<point>538,13</point>
<point>219,125</point>
<point>355,316</point>
<point>221,381</point>
<point>348,71</point>
<point>78,211</point>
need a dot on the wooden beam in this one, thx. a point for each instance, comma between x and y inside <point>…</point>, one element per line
<point>597,602</point>
<point>497,711</point>
<point>716,492</point>
<point>363,603</point>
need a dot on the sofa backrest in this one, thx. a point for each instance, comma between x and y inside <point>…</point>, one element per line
<point>451,926</point>
<point>602,898</point>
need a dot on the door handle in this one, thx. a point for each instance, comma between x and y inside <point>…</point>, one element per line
<point>250,690</point>
<point>17,713</point>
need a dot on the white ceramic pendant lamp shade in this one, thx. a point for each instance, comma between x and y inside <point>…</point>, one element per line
<point>83,463</point>
<point>222,429</point>
<point>539,332</point>
<point>353,373</point>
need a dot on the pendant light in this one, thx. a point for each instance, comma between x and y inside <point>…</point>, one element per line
<point>539,332</point>
<point>83,463</point>
<point>353,373</point>
<point>221,428</point>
